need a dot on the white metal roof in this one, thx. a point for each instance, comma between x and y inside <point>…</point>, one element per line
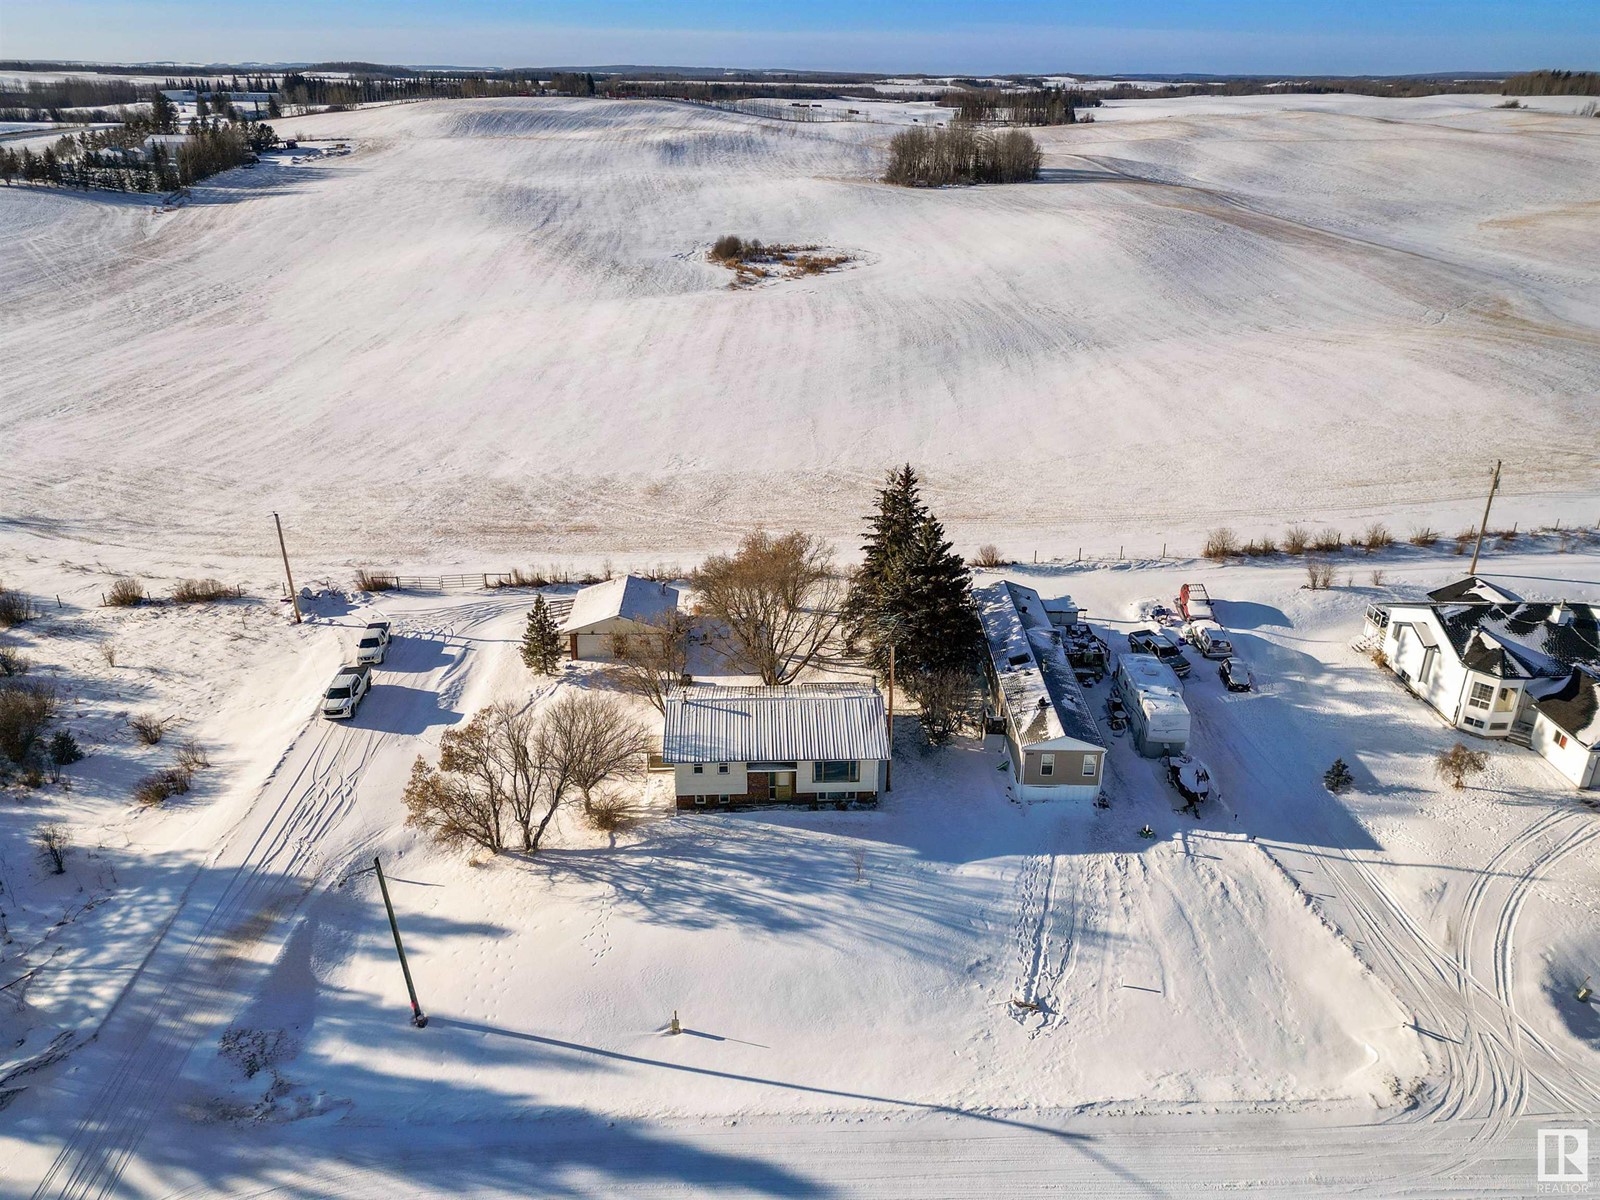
<point>828,721</point>
<point>627,596</point>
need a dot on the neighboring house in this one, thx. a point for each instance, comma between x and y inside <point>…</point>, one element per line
<point>1502,670</point>
<point>625,605</point>
<point>1057,751</point>
<point>730,747</point>
<point>170,144</point>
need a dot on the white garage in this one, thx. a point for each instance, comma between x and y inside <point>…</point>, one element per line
<point>627,604</point>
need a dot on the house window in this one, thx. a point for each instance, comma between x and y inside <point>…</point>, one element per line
<point>700,800</point>
<point>1482,693</point>
<point>1047,764</point>
<point>699,768</point>
<point>1474,722</point>
<point>722,768</point>
<point>841,771</point>
<point>1088,766</point>
<point>1507,696</point>
<point>1561,740</point>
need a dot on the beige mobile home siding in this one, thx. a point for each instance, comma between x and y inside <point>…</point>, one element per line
<point>1069,768</point>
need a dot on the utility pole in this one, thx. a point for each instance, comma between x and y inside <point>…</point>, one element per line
<point>1494,482</point>
<point>294,597</point>
<point>418,1017</point>
<point>888,767</point>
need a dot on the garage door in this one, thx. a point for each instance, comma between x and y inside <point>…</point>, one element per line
<point>594,646</point>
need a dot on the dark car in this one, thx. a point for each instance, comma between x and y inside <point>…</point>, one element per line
<point>1235,675</point>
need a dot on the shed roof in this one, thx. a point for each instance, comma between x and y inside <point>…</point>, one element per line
<point>1473,589</point>
<point>627,596</point>
<point>1037,682</point>
<point>828,721</point>
<point>1575,707</point>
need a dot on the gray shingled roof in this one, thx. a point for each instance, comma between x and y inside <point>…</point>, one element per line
<point>706,723</point>
<point>1575,707</point>
<point>1516,641</point>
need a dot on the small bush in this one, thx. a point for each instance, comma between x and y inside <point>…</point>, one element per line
<point>204,591</point>
<point>1457,764</point>
<point>13,663</point>
<point>1296,539</point>
<point>162,786</point>
<point>610,813</point>
<point>1423,536</point>
<point>54,842</point>
<point>1466,538</point>
<point>64,749</point>
<point>149,730</point>
<point>1377,579</point>
<point>25,710</point>
<point>1220,543</point>
<point>988,555</point>
<point>192,756</point>
<point>108,652</point>
<point>15,608</point>
<point>1506,536</point>
<point>1379,658</point>
<point>375,581</point>
<point>1260,548</point>
<point>1337,777</point>
<point>124,593</point>
<point>1377,537</point>
<point>1328,541</point>
<point>1319,575</point>
<point>727,248</point>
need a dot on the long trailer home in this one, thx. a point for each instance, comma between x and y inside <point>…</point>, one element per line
<point>733,747</point>
<point>1057,751</point>
<point>1528,673</point>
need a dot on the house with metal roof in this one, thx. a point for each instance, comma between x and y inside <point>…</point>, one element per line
<point>733,747</point>
<point>627,605</point>
<point>1056,748</point>
<point>1513,670</point>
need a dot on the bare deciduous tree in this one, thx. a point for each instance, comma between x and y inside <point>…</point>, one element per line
<point>54,842</point>
<point>1458,763</point>
<point>945,697</point>
<point>649,664</point>
<point>779,598</point>
<point>586,739</point>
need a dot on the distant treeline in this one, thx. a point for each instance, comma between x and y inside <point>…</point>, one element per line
<point>959,154</point>
<point>1553,83</point>
<point>115,159</point>
<point>52,95</point>
<point>1304,87</point>
<point>722,93</point>
<point>1037,106</point>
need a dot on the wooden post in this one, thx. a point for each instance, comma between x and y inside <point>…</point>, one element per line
<point>294,597</point>
<point>1494,482</point>
<point>418,1017</point>
<point>888,767</point>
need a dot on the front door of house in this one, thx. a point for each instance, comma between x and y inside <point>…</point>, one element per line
<point>783,785</point>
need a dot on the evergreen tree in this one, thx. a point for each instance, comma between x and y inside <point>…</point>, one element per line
<point>541,644</point>
<point>1337,777</point>
<point>938,626</point>
<point>163,114</point>
<point>874,590</point>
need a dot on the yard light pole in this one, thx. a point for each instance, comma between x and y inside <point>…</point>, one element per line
<point>418,1017</point>
<point>294,598</point>
<point>1494,482</point>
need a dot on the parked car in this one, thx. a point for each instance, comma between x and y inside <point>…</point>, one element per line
<point>348,689</point>
<point>1195,602</point>
<point>1210,639</point>
<point>1163,645</point>
<point>1236,675</point>
<point>373,647</point>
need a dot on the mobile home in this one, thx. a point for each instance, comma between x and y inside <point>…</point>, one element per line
<point>1154,700</point>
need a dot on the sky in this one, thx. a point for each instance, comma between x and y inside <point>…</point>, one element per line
<point>939,36</point>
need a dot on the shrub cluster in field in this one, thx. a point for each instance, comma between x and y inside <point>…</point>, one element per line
<point>958,154</point>
<point>752,260</point>
<point>175,780</point>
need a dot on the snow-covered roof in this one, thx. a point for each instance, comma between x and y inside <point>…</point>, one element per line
<point>1575,707</point>
<point>828,721</point>
<point>1156,683</point>
<point>1473,589</point>
<point>627,596</point>
<point>1521,641</point>
<point>1037,682</point>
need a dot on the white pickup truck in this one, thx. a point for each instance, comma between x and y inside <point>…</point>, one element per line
<point>344,695</point>
<point>373,647</point>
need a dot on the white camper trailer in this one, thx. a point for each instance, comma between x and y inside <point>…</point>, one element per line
<point>1154,700</point>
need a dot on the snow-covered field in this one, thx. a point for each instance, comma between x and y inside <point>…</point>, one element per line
<point>1368,994</point>
<point>488,331</point>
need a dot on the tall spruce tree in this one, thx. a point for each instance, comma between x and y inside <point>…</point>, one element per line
<point>875,587</point>
<point>541,643</point>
